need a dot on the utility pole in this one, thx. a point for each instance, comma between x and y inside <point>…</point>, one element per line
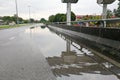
<point>29,13</point>
<point>17,20</point>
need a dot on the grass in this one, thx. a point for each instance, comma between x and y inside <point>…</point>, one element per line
<point>11,26</point>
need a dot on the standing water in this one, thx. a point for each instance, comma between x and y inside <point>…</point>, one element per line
<point>77,64</point>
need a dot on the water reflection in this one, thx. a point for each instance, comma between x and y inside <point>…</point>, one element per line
<point>32,27</point>
<point>69,57</point>
<point>77,65</point>
<point>43,27</point>
<point>72,63</point>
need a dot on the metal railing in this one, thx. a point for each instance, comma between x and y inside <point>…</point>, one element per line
<point>113,23</point>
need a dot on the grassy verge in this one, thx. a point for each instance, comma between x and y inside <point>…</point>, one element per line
<point>11,26</point>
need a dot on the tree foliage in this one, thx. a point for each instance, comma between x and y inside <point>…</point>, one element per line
<point>9,19</point>
<point>73,16</point>
<point>43,20</point>
<point>32,20</point>
<point>109,13</point>
<point>51,18</point>
<point>60,17</point>
<point>117,11</point>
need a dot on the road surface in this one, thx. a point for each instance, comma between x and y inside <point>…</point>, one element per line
<point>20,59</point>
<point>36,53</point>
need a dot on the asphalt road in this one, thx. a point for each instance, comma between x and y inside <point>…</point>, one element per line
<point>20,59</point>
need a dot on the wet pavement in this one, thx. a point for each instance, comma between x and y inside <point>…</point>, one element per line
<point>20,59</point>
<point>75,64</point>
<point>37,53</point>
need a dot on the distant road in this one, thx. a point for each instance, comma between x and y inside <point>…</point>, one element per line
<point>20,59</point>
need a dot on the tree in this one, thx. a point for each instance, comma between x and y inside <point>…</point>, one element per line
<point>9,19</point>
<point>109,13</point>
<point>73,16</point>
<point>6,19</point>
<point>32,20</point>
<point>60,17</point>
<point>43,20</point>
<point>57,17</point>
<point>25,21</point>
<point>117,11</point>
<point>51,18</point>
<point>63,18</point>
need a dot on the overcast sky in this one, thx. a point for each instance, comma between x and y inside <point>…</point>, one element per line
<point>45,8</point>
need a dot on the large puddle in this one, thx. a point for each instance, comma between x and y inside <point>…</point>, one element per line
<point>71,61</point>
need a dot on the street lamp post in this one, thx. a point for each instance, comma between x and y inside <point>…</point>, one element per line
<point>17,20</point>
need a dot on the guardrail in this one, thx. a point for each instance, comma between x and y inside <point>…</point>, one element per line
<point>112,23</point>
<point>109,33</point>
<point>103,40</point>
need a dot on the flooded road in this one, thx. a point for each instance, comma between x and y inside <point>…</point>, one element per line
<point>20,58</point>
<point>39,53</point>
<point>74,64</point>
